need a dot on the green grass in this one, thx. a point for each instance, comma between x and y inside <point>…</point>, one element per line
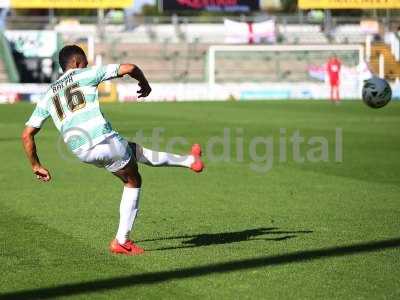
<point>312,230</point>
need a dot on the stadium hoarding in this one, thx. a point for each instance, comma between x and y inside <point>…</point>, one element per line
<point>16,92</point>
<point>33,92</point>
<point>70,4</point>
<point>237,91</point>
<point>4,3</point>
<point>211,5</point>
<point>349,4</point>
<point>171,92</point>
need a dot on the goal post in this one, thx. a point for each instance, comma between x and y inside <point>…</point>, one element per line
<point>215,49</point>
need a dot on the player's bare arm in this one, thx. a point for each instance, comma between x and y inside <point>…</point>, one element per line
<point>28,141</point>
<point>136,73</point>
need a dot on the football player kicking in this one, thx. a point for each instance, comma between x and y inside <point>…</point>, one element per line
<point>72,102</point>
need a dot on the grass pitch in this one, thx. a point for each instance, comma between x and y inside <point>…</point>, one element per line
<point>311,230</point>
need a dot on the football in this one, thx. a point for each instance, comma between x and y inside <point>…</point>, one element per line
<point>376,92</point>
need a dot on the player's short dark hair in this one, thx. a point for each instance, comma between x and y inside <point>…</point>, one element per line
<point>67,53</point>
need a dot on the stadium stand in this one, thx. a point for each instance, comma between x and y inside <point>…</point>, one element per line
<point>176,50</point>
<point>163,62</point>
<point>349,34</point>
<point>302,34</point>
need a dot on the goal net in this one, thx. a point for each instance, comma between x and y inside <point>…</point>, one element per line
<point>277,63</point>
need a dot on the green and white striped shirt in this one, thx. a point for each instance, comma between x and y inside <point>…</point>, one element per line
<point>73,104</point>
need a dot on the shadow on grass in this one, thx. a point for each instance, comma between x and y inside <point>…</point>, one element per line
<point>218,268</point>
<point>207,239</point>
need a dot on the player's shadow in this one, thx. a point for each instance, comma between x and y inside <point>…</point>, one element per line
<point>207,239</point>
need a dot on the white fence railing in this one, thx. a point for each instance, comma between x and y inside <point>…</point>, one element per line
<point>396,46</point>
<point>393,39</point>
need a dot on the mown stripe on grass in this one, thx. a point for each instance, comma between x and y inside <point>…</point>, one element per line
<point>238,265</point>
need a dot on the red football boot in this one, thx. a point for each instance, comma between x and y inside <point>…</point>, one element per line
<point>198,165</point>
<point>196,150</point>
<point>128,248</point>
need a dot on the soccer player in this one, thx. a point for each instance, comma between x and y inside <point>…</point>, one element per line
<point>333,70</point>
<point>72,102</point>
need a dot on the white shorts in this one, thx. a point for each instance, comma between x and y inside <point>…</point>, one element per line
<point>113,154</point>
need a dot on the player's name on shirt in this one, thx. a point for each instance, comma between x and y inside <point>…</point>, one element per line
<point>61,84</point>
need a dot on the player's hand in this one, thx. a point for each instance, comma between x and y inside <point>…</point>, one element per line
<point>42,173</point>
<point>144,90</point>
